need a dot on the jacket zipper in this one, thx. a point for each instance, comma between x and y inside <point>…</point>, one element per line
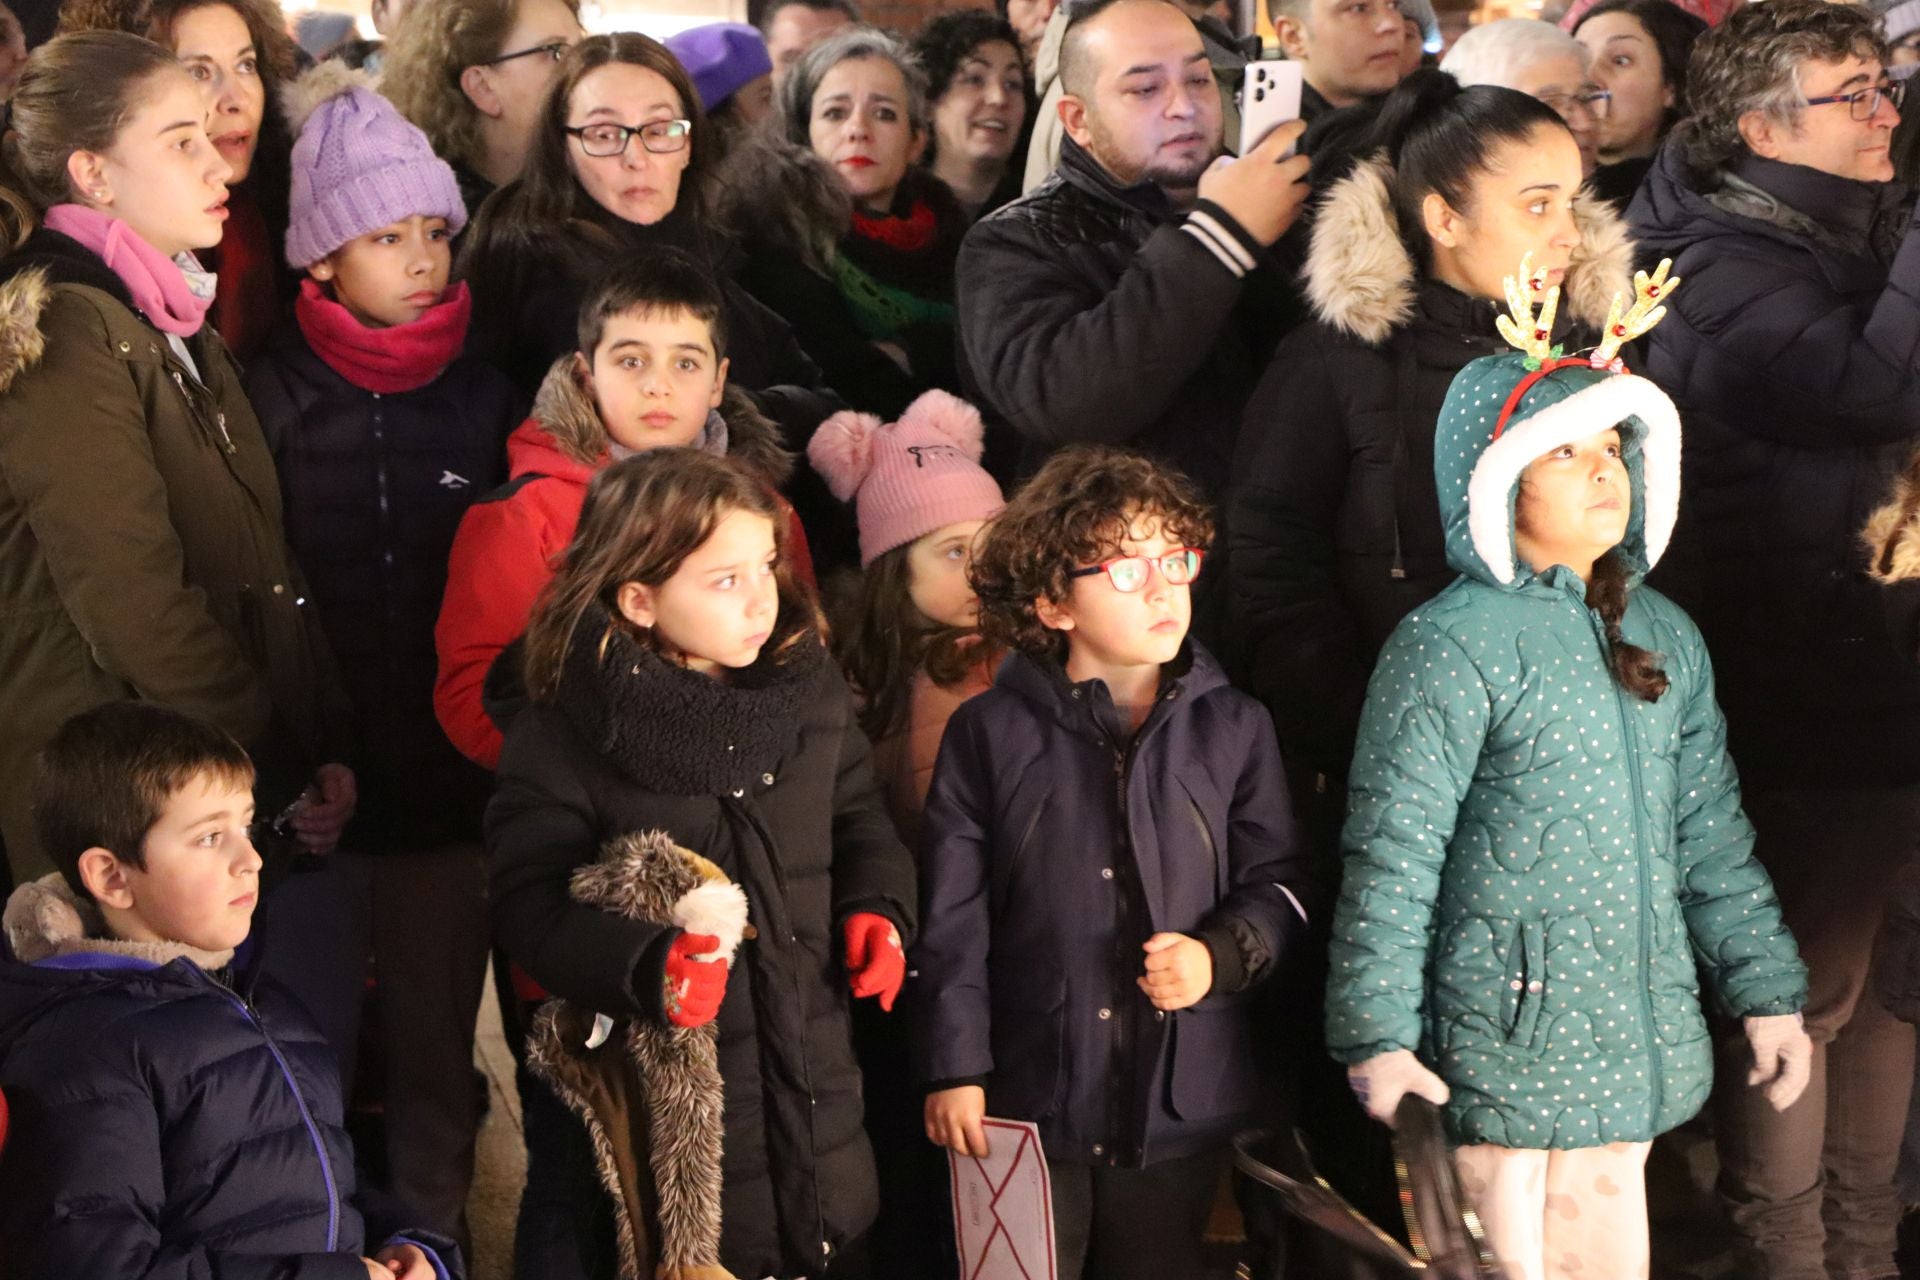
<point>199,411</point>
<point>1640,873</point>
<point>299,1100</point>
<point>1121,1121</point>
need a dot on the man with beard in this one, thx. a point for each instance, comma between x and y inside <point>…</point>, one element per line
<point>1133,298</point>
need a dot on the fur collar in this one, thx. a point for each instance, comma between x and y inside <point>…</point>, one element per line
<point>675,731</point>
<point>45,918</point>
<point>566,412</point>
<point>1361,279</point>
<point>1892,534</point>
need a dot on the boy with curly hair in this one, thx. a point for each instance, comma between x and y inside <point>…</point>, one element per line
<point>1110,864</point>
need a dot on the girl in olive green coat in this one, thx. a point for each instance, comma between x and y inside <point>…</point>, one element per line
<point>1545,832</point>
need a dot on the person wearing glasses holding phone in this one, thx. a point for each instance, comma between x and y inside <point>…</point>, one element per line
<point>472,75</point>
<point>1794,355</point>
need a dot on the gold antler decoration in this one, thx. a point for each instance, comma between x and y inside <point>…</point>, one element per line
<point>1521,329</point>
<point>1648,309</point>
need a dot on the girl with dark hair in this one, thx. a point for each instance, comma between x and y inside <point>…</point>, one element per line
<point>178,588</point>
<point>1333,528</point>
<point>240,54</point>
<point>1545,853</point>
<point>981,100</point>
<point>1640,52</point>
<point>680,685</point>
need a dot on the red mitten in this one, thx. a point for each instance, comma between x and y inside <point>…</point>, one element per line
<point>694,988</point>
<point>876,960</point>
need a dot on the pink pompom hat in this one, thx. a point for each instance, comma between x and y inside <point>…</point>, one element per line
<point>910,477</point>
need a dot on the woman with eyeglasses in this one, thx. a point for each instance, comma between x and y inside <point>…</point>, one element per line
<point>860,258</point>
<point>1333,528</point>
<point>239,53</point>
<point>472,75</point>
<point>1640,50</point>
<point>1539,60</point>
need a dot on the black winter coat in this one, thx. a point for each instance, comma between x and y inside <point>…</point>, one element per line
<point>1092,313</point>
<point>767,776</point>
<point>373,488</point>
<point>163,1128</point>
<point>1334,522</point>
<point>1041,882</point>
<point>1793,352</point>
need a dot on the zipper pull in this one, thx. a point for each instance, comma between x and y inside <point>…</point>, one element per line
<point>221,419</point>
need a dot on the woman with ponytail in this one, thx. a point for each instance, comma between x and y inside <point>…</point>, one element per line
<point>1333,528</point>
<point>141,548</point>
<point>1545,853</point>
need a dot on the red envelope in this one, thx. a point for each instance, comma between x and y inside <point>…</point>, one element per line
<point>1003,1206</point>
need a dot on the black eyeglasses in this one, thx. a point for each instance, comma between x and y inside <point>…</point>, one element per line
<point>554,51</point>
<point>1863,104</point>
<point>662,137</point>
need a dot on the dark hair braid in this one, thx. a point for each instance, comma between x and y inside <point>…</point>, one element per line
<point>1637,670</point>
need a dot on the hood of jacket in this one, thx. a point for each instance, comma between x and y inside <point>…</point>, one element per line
<point>46,920</point>
<point>1477,465</point>
<point>27,277</point>
<point>575,442</point>
<point>1361,279</point>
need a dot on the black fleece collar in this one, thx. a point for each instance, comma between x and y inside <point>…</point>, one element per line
<point>678,732</point>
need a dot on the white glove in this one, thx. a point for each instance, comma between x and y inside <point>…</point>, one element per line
<point>1782,1057</point>
<point>1381,1081</point>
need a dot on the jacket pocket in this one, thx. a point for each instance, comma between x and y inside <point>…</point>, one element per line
<point>1528,983</point>
<point>1213,1075</point>
<point>1029,1044</point>
<point>1203,832</point>
<point>1025,815</point>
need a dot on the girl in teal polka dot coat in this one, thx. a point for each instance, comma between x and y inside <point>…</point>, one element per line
<point>1544,833</point>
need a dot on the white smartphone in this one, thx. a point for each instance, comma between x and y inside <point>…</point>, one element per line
<point>1269,97</point>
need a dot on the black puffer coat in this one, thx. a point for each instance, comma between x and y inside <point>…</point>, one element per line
<point>767,776</point>
<point>1334,522</point>
<point>1793,352</point>
<point>373,488</point>
<point>163,1126</point>
<point>1092,313</point>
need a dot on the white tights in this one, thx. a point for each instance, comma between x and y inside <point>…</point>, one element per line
<point>1562,1215</point>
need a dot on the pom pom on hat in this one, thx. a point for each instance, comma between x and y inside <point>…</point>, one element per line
<point>358,165</point>
<point>911,477</point>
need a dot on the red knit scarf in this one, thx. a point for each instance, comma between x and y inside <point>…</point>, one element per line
<point>910,234</point>
<point>384,361</point>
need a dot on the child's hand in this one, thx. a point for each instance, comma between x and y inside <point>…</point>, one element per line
<point>377,1270</point>
<point>954,1120</point>
<point>404,1261</point>
<point>694,988</point>
<point>1782,1057</point>
<point>1179,971</point>
<point>1382,1080</point>
<point>876,962</point>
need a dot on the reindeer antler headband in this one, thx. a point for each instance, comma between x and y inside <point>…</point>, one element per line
<point>1533,336</point>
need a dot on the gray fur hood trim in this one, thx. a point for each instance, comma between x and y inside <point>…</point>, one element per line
<point>566,412</point>
<point>46,918</point>
<point>1361,280</point>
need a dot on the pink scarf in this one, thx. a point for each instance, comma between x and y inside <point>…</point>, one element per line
<point>158,284</point>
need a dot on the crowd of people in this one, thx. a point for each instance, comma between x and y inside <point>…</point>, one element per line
<point>888,580</point>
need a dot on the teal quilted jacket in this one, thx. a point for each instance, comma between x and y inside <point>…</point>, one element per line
<point>1535,861</point>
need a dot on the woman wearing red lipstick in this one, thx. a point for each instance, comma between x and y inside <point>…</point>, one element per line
<point>144,551</point>
<point>239,53</point>
<point>384,434</point>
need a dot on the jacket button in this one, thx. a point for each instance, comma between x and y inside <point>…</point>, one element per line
<point>1106,873</point>
<point>1105,1014</point>
<point>1515,985</point>
<point>1159,1015</point>
<point>279,588</point>
<point>1099,1150</point>
<point>1536,986</point>
<point>125,346</point>
<point>767,779</point>
<point>738,792</point>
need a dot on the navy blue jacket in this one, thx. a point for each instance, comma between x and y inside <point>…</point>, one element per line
<point>1055,849</point>
<point>163,1128</point>
<point>1793,352</point>
<point>373,489</point>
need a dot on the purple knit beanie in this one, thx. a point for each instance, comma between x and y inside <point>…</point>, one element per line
<point>910,477</point>
<point>358,165</point>
<point>723,58</point>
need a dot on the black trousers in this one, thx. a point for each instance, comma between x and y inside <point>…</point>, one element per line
<point>1133,1224</point>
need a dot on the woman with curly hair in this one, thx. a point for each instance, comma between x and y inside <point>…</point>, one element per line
<point>982,102</point>
<point>472,75</point>
<point>240,54</point>
<point>1110,863</point>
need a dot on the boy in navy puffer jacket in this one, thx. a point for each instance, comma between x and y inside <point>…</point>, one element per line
<point>166,1122</point>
